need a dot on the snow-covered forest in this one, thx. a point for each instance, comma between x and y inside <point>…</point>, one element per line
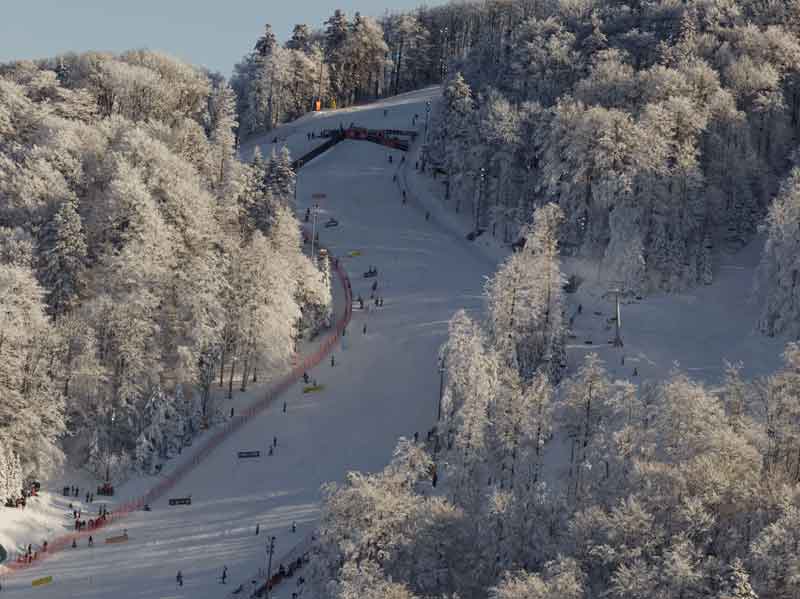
<point>661,128</point>
<point>139,262</point>
<point>146,273</point>
<point>349,60</point>
<point>649,137</point>
<point>591,486</point>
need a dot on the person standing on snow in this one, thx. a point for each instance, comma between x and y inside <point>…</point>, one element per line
<point>179,578</point>
<point>333,361</point>
<point>224,574</point>
<point>294,526</point>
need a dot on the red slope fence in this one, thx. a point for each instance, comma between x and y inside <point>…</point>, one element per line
<point>220,436</point>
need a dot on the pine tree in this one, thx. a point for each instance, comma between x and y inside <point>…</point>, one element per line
<point>266,43</point>
<point>301,39</point>
<point>337,32</point>
<point>63,256</point>
<point>281,177</point>
<point>586,398</point>
<point>222,135</point>
<point>737,585</point>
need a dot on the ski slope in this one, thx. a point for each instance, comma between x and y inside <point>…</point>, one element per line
<point>384,385</point>
<point>385,382</point>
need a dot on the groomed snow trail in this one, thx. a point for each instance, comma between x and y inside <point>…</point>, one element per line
<point>384,385</point>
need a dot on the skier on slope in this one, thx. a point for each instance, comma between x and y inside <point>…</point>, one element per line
<point>179,578</point>
<point>224,576</point>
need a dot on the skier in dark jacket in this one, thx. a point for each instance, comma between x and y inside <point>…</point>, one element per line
<point>224,575</point>
<point>179,578</point>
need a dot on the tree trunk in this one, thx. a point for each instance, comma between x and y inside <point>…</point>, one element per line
<point>222,366</point>
<point>230,379</point>
<point>245,373</point>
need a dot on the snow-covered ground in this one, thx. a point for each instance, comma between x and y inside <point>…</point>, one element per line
<point>384,383</point>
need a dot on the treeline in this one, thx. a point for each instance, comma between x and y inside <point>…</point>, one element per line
<point>593,488</point>
<point>139,261</point>
<point>660,128</point>
<point>348,61</point>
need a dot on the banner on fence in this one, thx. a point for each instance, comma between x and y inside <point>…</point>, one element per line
<point>117,539</point>
<point>181,501</point>
<point>249,454</point>
<point>41,581</point>
<point>313,388</point>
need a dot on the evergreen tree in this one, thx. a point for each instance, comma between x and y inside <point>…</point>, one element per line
<point>266,43</point>
<point>300,40</point>
<point>63,255</point>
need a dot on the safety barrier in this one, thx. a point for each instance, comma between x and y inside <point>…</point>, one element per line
<point>219,436</point>
<point>384,137</point>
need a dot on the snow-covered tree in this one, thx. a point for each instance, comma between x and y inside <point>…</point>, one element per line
<point>32,410</point>
<point>778,275</point>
